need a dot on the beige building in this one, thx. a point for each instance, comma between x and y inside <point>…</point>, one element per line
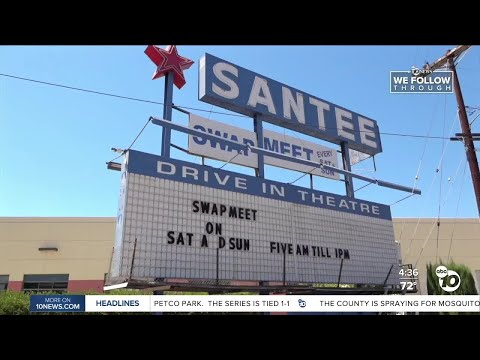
<point>427,240</point>
<point>75,253</point>
<point>55,253</point>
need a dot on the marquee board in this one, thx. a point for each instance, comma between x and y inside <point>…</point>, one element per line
<point>197,222</point>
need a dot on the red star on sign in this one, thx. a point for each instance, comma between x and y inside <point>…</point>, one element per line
<point>168,60</point>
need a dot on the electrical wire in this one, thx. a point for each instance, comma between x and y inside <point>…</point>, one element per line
<point>461,56</point>
<point>424,149</point>
<point>179,108</point>
<point>133,142</point>
<point>81,89</point>
<point>396,202</point>
<point>191,108</point>
<point>437,170</point>
<point>453,180</point>
<point>418,172</point>
<point>456,211</point>
<point>229,161</point>
<point>433,225</point>
<point>441,177</point>
<point>301,177</point>
<point>364,186</point>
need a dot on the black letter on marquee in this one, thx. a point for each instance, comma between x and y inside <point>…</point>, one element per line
<point>195,206</point>
<point>180,239</point>
<point>233,212</point>
<point>170,236</point>
<point>221,242</point>
<point>204,241</point>
<point>209,228</point>
<point>273,246</point>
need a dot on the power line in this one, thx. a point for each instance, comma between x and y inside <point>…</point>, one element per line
<point>404,198</point>
<point>192,108</point>
<point>231,159</point>
<point>456,211</point>
<point>441,175</point>
<point>424,148</point>
<point>437,170</point>
<point>417,174</point>
<point>133,142</point>
<point>81,89</point>
<point>438,219</point>
<point>364,186</point>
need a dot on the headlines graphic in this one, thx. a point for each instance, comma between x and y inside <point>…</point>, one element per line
<point>255,303</point>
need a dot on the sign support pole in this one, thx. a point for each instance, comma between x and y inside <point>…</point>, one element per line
<point>347,167</point>
<point>238,146</point>
<point>258,128</point>
<point>166,132</point>
<point>167,114</point>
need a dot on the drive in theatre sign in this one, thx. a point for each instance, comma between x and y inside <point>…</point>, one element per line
<point>198,222</point>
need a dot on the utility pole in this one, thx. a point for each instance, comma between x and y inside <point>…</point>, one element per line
<point>448,60</point>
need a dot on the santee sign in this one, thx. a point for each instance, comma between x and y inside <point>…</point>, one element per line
<point>272,141</point>
<point>235,88</point>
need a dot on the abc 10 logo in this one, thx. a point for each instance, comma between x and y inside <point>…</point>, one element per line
<point>449,280</point>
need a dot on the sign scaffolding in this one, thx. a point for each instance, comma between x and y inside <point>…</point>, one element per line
<point>182,225</point>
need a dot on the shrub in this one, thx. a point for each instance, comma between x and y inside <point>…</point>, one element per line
<point>14,303</point>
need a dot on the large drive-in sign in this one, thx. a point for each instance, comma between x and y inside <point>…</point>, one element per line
<point>178,219</point>
<point>232,87</point>
<point>272,141</point>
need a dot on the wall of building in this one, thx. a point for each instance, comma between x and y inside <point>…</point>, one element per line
<point>85,247</point>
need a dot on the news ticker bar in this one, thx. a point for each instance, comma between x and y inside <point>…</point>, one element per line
<point>254,303</point>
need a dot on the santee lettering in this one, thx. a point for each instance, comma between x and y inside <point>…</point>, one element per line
<point>241,90</point>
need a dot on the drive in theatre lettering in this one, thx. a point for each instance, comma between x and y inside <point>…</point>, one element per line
<point>198,222</point>
<point>235,88</point>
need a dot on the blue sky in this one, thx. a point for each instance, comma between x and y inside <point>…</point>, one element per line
<point>55,142</point>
